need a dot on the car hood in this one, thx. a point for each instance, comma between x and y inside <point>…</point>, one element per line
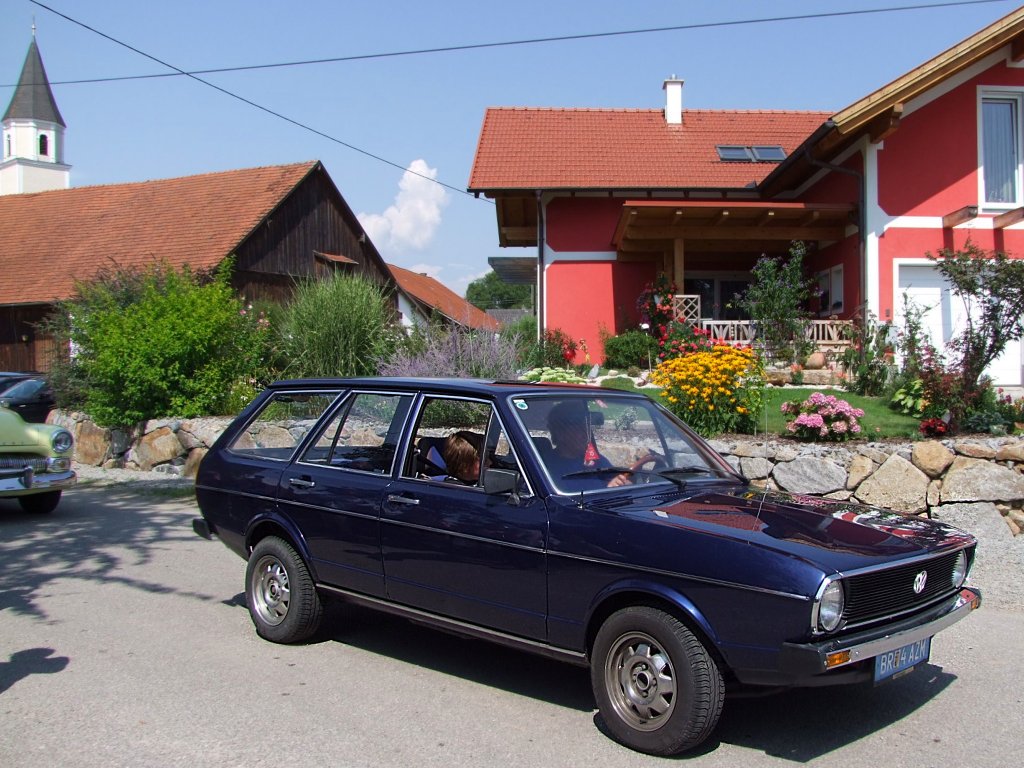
<point>797,523</point>
<point>16,434</point>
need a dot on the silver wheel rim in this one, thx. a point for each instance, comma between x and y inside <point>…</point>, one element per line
<point>271,593</point>
<point>640,681</point>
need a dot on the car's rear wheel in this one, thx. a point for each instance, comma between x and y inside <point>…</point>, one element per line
<point>40,503</point>
<point>283,601</point>
<point>658,689</point>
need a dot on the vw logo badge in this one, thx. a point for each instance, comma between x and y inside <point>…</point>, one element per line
<point>919,582</point>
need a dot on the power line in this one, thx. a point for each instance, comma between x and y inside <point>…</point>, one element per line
<point>498,44</point>
<point>252,103</point>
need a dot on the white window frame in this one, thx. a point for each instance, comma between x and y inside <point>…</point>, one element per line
<point>1004,94</point>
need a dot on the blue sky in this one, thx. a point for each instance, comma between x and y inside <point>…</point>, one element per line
<point>424,111</point>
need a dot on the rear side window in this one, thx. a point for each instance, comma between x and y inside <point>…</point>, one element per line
<point>281,424</point>
<point>363,435</point>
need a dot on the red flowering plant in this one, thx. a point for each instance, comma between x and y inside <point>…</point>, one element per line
<point>678,339</point>
<point>655,305</point>
<point>933,427</point>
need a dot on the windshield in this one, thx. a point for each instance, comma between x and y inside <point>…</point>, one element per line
<point>590,442</point>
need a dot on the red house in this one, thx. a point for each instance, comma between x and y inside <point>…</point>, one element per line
<point>612,198</point>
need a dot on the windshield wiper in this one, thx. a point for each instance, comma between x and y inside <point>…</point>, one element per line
<point>676,473</point>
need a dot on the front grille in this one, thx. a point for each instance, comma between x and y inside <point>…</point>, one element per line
<point>881,594</point>
<point>22,460</point>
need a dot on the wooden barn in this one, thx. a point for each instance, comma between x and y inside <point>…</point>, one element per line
<point>281,223</point>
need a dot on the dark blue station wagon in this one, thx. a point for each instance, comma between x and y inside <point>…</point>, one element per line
<point>581,523</point>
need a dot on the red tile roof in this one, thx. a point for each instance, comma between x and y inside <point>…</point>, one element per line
<point>530,148</point>
<point>48,240</point>
<point>431,293</point>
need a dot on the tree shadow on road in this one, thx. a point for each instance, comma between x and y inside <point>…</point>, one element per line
<point>97,534</point>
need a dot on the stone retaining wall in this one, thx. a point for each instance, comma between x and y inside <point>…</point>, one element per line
<point>947,479</point>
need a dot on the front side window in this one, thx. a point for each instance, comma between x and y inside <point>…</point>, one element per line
<point>457,440</point>
<point>1000,149</point>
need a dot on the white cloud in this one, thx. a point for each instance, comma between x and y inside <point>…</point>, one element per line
<point>411,223</point>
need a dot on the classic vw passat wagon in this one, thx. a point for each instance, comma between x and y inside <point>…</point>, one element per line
<point>585,524</point>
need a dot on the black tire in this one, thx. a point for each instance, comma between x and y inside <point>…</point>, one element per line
<point>282,599</point>
<point>40,503</point>
<point>657,688</point>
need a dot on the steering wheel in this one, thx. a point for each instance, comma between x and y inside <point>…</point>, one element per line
<point>658,461</point>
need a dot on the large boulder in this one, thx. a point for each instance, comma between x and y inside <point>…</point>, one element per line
<point>932,457</point>
<point>810,475</point>
<point>898,485</point>
<point>92,443</point>
<point>158,447</point>
<point>979,480</point>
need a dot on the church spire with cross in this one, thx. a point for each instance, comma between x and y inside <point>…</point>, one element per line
<point>33,133</point>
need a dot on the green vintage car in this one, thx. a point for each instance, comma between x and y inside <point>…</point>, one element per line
<point>35,462</point>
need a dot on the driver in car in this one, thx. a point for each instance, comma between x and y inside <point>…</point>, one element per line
<point>573,450</point>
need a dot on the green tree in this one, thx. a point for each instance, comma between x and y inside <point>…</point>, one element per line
<point>491,292</point>
<point>342,326</point>
<point>991,287</point>
<point>776,301</point>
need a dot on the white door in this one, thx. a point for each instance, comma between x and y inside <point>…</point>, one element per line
<point>943,318</point>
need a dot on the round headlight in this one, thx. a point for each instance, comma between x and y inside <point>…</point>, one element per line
<point>830,606</point>
<point>959,570</point>
<point>62,441</point>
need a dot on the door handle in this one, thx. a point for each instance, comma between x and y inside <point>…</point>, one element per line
<point>396,499</point>
<point>301,482</point>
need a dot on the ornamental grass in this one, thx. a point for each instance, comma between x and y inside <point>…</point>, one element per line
<point>717,390</point>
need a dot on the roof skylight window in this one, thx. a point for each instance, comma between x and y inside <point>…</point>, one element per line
<point>731,152</point>
<point>760,153</point>
<point>768,154</point>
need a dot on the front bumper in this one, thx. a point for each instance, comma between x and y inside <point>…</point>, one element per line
<point>800,661</point>
<point>23,482</point>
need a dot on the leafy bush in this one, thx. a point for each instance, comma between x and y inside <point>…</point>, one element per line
<point>714,391</point>
<point>623,383</point>
<point>822,417</point>
<point>455,353</point>
<point>909,399</point>
<point>341,326</point>
<point>869,361</point>
<point>554,349</point>
<point>629,349</point>
<point>1011,410</point>
<point>161,342</point>
<point>522,334</point>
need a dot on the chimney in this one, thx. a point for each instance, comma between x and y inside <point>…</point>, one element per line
<point>673,101</point>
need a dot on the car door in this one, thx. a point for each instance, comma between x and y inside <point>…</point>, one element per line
<point>333,490</point>
<point>451,548</point>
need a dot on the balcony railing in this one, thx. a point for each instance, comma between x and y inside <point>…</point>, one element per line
<point>826,335</point>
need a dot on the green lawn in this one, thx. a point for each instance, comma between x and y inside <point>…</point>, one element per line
<point>879,420</point>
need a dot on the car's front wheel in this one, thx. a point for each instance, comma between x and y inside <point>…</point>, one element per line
<point>40,503</point>
<point>658,689</point>
<point>279,590</point>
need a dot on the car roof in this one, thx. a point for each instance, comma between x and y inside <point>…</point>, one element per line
<point>485,387</point>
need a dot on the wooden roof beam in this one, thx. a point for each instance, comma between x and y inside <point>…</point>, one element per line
<point>886,123</point>
<point>766,218</point>
<point>720,219</point>
<point>959,216</point>
<point>1008,218</point>
<point>1017,48</point>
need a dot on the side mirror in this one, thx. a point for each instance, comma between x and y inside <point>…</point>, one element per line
<point>499,481</point>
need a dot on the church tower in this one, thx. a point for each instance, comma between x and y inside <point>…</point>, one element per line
<point>32,151</point>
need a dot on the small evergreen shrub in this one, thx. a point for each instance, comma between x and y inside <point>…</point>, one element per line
<point>632,349</point>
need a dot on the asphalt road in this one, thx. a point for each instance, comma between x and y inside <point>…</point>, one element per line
<point>124,641</point>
